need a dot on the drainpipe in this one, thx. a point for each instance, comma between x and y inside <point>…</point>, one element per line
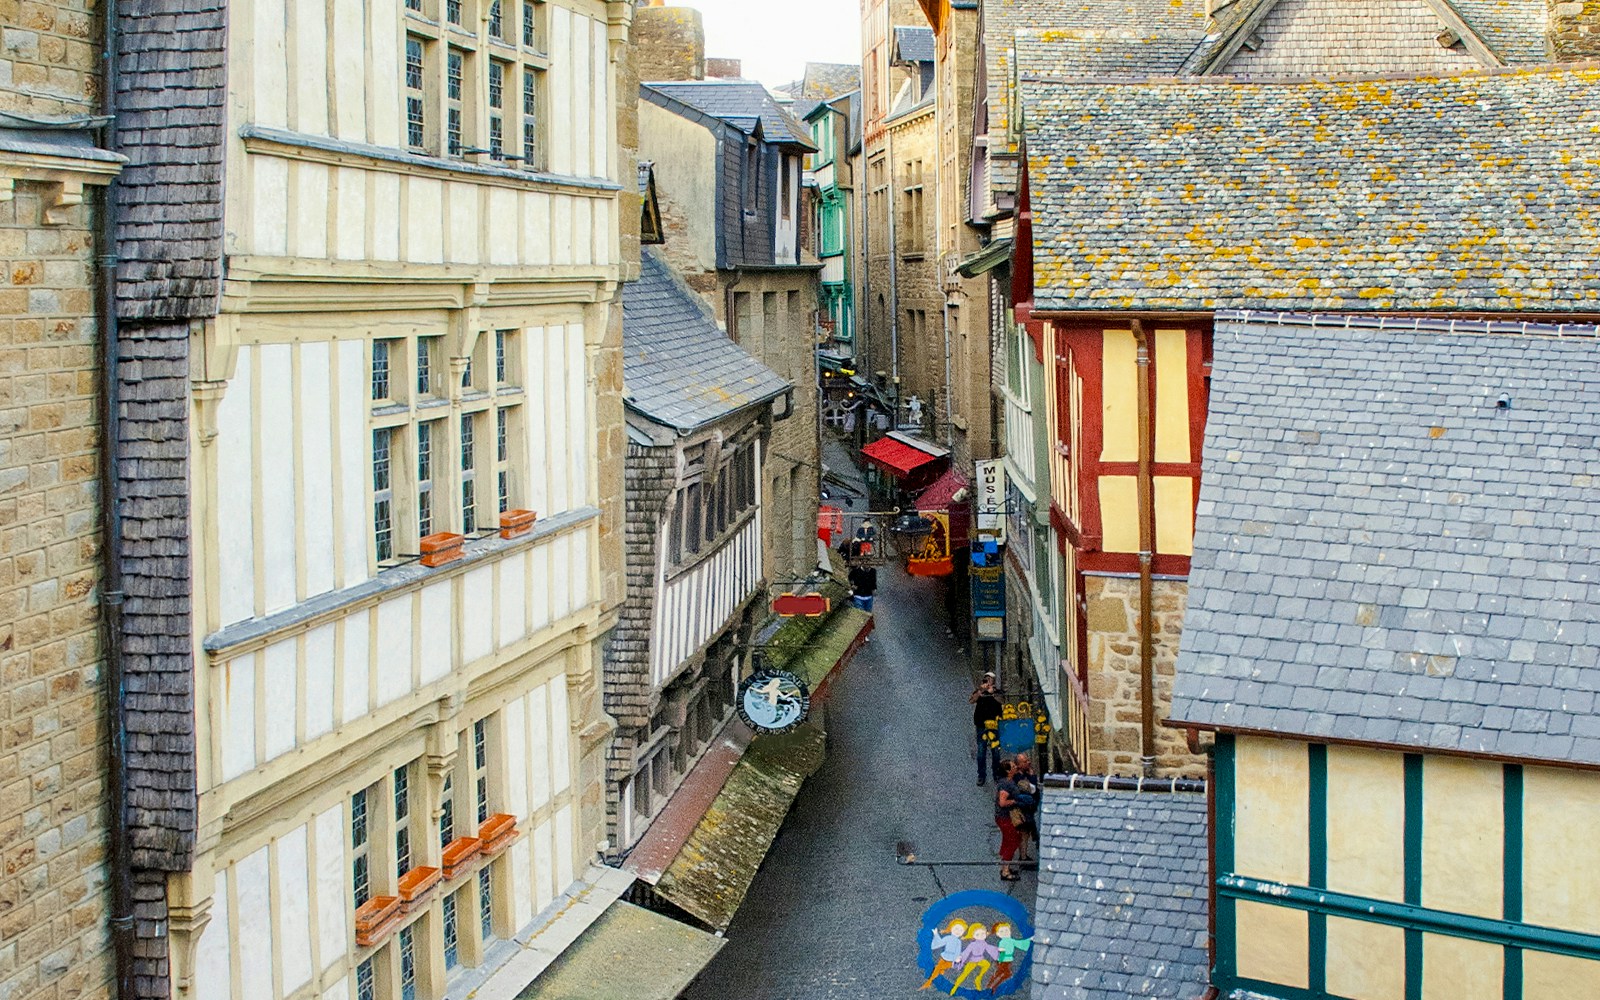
<point>949,406</point>
<point>1147,530</point>
<point>111,524</point>
<point>894,281</point>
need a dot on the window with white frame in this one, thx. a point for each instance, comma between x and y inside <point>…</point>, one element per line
<point>445,446</point>
<point>512,80</point>
<point>401,787</point>
<point>416,93</point>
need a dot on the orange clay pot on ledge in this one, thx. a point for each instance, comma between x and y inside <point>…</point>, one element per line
<point>375,918</point>
<point>440,548</point>
<point>497,831</point>
<point>458,854</point>
<point>516,523</point>
<point>415,885</point>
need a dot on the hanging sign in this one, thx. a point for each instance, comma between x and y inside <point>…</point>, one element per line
<point>773,701</point>
<point>988,591</point>
<point>801,605</point>
<point>932,555</point>
<point>978,942</point>
<point>991,499</point>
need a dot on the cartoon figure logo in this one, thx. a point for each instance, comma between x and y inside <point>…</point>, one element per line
<point>978,943</point>
<point>773,701</point>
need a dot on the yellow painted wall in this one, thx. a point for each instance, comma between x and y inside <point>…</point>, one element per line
<point>1174,515</point>
<point>1366,961</point>
<point>1559,977</point>
<point>1463,836</point>
<point>1560,870</point>
<point>1456,968</point>
<point>1273,811</point>
<point>1366,823</point>
<point>1119,513</point>
<point>1172,396</point>
<point>1120,400</point>
<point>1273,943</point>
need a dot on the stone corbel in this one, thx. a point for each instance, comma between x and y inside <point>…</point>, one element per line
<point>439,759</point>
<point>8,188</point>
<point>60,196</point>
<point>213,359</point>
<point>189,899</point>
<point>619,21</point>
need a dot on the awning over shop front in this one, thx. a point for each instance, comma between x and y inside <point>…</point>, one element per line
<point>711,875</point>
<point>941,498</point>
<point>628,952</point>
<point>899,457</point>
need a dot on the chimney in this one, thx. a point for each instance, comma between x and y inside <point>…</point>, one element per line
<point>669,43</point>
<point>1574,30</point>
<point>725,69</point>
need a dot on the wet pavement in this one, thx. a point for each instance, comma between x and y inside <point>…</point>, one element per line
<point>833,913</point>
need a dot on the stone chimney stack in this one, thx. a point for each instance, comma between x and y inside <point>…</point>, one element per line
<point>669,43</point>
<point>1575,30</point>
<point>724,69</point>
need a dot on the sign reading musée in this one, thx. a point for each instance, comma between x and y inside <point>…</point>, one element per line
<point>987,575</point>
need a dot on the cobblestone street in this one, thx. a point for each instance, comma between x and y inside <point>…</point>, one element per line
<point>833,915</point>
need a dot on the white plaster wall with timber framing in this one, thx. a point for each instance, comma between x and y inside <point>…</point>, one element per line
<point>330,159</point>
<point>282,894</point>
<point>294,496</point>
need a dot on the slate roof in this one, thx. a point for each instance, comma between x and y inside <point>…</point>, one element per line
<point>678,368</point>
<point>1476,192</point>
<point>1121,908</point>
<point>913,44</point>
<point>1517,30</point>
<point>1148,37</point>
<point>1382,554</point>
<point>825,81</point>
<point>741,103</point>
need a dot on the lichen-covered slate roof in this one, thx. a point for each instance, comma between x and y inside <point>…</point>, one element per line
<point>1477,192</point>
<point>1073,38</point>
<point>1515,29</point>
<point>741,103</point>
<point>1382,553</point>
<point>714,871</point>
<point>678,368</point>
<point>825,81</point>
<point>1121,908</point>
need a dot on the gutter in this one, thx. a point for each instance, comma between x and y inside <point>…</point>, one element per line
<point>1147,525</point>
<point>111,595</point>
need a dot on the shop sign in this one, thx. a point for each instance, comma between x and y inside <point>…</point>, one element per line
<point>932,555</point>
<point>801,605</point>
<point>773,701</point>
<point>977,943</point>
<point>988,591</point>
<point>991,499</point>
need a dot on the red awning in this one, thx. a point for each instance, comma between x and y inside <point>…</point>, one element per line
<point>895,457</point>
<point>941,497</point>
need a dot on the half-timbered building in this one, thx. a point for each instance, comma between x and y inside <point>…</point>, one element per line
<point>1392,632</point>
<point>700,414</point>
<point>728,165</point>
<point>1118,291</point>
<point>374,726</point>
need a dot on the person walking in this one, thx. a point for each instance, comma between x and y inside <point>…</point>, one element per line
<point>985,702</point>
<point>863,585</point>
<point>1029,789</point>
<point>1007,812</point>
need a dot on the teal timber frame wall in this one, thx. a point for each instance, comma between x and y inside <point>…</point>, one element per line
<point>1510,931</point>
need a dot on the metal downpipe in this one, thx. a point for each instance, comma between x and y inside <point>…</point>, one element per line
<point>1147,518</point>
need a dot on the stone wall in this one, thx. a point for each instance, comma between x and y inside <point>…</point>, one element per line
<point>1575,29</point>
<point>53,898</point>
<point>49,57</point>
<point>669,43</point>
<point>1112,621</point>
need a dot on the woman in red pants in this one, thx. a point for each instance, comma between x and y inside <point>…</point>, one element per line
<point>1005,800</point>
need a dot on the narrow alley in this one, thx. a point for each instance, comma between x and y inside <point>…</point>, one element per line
<point>834,914</point>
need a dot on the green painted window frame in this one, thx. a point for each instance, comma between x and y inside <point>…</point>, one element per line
<point>1509,931</point>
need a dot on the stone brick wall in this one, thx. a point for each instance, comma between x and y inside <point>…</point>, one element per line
<point>1112,620</point>
<point>669,43</point>
<point>49,57</point>
<point>1575,29</point>
<point>53,899</point>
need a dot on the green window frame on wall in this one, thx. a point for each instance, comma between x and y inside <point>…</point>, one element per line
<point>832,226</point>
<point>1509,931</point>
